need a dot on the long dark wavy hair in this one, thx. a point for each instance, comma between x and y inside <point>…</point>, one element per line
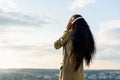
<point>83,45</point>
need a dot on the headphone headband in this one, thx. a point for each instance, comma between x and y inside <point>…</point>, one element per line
<point>76,19</point>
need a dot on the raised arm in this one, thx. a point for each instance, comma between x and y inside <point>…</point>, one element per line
<point>62,40</point>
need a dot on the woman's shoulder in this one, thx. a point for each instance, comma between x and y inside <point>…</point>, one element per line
<point>67,33</point>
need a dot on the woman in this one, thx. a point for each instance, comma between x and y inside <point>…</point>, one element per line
<point>78,46</point>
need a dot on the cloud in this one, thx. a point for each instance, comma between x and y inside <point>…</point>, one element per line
<point>22,43</point>
<point>13,14</point>
<point>110,24</point>
<point>108,41</point>
<point>14,18</point>
<point>9,6</point>
<point>109,32</point>
<point>110,36</point>
<point>29,56</point>
<point>104,64</point>
<point>80,4</point>
<point>48,61</point>
<point>109,53</point>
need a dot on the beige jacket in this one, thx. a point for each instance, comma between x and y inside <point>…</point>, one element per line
<point>67,72</point>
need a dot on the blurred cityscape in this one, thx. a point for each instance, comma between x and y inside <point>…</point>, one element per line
<point>52,74</point>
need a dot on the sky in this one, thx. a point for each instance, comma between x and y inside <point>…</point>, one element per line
<point>29,28</point>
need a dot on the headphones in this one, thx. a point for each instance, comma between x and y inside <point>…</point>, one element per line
<point>76,19</point>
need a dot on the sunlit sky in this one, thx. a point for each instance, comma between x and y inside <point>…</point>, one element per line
<point>28,29</point>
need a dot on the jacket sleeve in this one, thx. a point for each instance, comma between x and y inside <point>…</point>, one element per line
<point>62,40</point>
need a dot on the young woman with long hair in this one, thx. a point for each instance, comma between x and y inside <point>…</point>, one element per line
<point>78,47</point>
